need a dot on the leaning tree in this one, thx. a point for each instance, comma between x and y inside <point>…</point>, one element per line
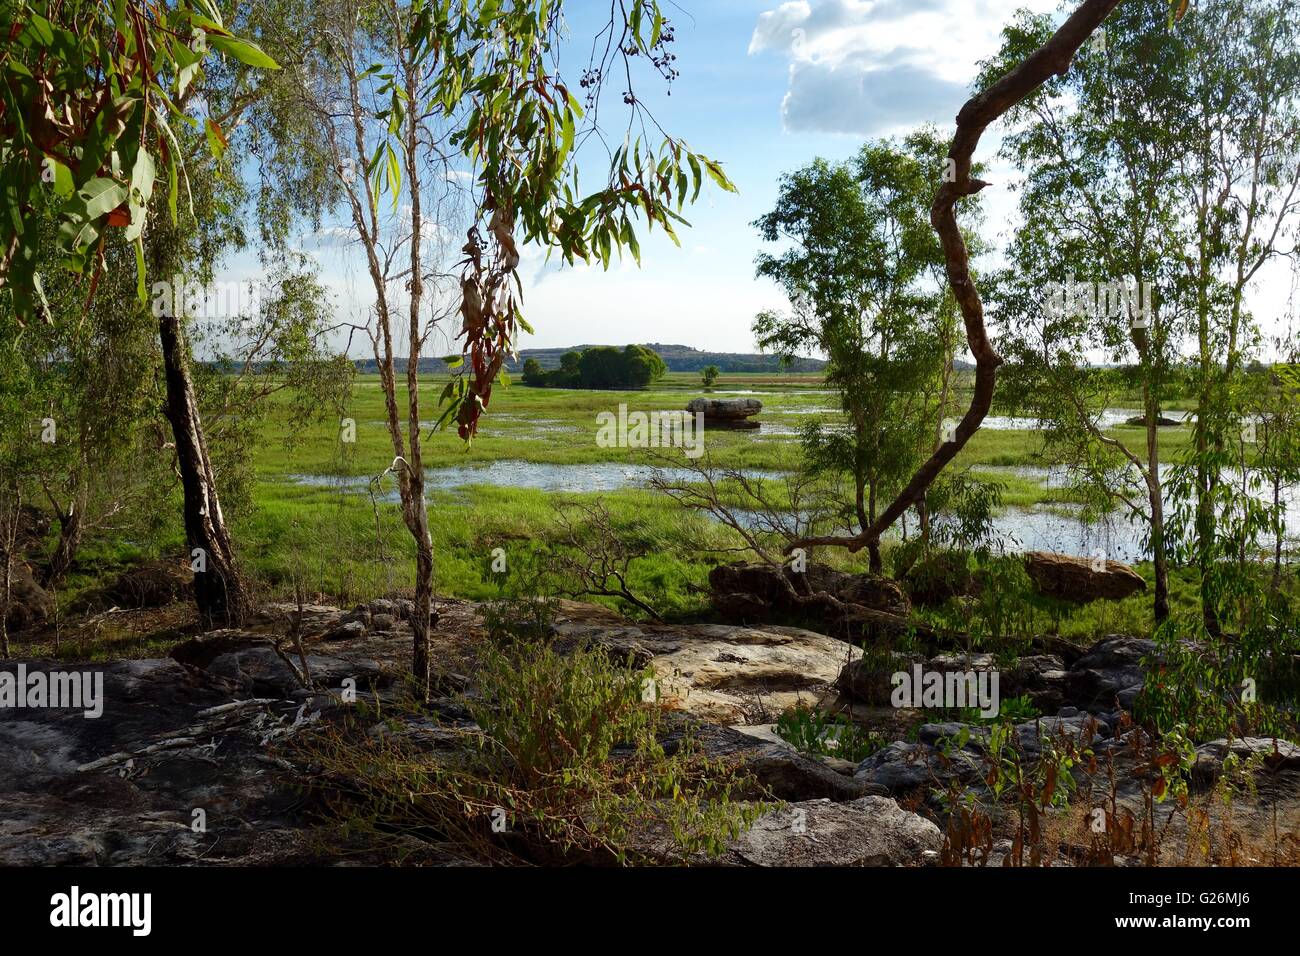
<point>1052,58</point>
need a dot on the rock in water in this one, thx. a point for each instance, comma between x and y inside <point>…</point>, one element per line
<point>1161,421</point>
<point>728,412</point>
<point>1081,580</point>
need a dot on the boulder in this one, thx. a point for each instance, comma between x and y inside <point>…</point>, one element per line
<point>1110,669</point>
<point>1081,580</point>
<point>720,673</point>
<point>151,585</point>
<point>867,679</point>
<point>903,768</point>
<point>30,605</point>
<point>1273,752</point>
<point>727,412</point>
<point>251,664</point>
<point>1041,677</point>
<point>347,631</point>
<point>776,768</point>
<point>869,831</point>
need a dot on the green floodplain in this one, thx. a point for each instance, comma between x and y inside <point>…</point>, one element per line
<point>315,515</point>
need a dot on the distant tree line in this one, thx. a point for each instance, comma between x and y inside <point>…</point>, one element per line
<point>678,358</point>
<point>604,366</point>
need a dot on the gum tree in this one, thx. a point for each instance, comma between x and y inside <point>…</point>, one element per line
<point>1052,58</point>
<point>861,269</point>
<point>1096,213</point>
<point>1237,110</point>
<point>89,94</point>
<point>83,420</point>
<point>414,99</point>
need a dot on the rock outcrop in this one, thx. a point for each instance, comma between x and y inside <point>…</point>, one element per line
<point>869,831</point>
<point>195,759</point>
<point>192,760</point>
<point>1081,580</point>
<point>871,608</point>
<point>30,605</point>
<point>726,412</point>
<point>721,673</point>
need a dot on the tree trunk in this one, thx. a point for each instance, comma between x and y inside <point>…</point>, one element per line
<point>1155,495</point>
<point>873,547</point>
<point>1205,518</point>
<point>10,543</point>
<point>70,529</point>
<point>422,619</point>
<point>218,589</point>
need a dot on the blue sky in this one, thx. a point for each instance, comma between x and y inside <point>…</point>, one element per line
<point>764,88</point>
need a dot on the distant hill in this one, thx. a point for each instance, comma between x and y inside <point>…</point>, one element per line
<point>683,358</point>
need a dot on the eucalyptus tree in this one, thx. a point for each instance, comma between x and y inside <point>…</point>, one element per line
<point>1278,462</point>
<point>82,437</point>
<point>1236,110</point>
<point>134,92</point>
<point>1268,468</point>
<point>442,118</point>
<point>1088,299</point>
<point>861,268</point>
<point>1052,58</point>
<point>102,85</point>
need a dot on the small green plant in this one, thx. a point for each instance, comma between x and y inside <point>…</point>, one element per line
<point>1012,710</point>
<point>709,375</point>
<point>818,734</point>
<point>563,764</point>
<point>525,606</point>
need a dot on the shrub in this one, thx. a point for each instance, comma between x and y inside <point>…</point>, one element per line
<point>604,366</point>
<point>817,734</point>
<point>568,758</point>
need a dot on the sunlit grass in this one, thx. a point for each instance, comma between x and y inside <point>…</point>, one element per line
<point>339,543</point>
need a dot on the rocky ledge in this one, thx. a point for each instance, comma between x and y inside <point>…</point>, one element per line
<point>192,760</point>
<point>189,761</point>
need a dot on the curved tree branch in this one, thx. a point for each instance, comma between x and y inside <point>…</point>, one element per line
<point>1053,58</point>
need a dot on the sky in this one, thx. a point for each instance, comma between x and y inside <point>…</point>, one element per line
<point>764,88</point>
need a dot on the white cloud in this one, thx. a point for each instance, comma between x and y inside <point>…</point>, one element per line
<point>333,236</point>
<point>867,67</point>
